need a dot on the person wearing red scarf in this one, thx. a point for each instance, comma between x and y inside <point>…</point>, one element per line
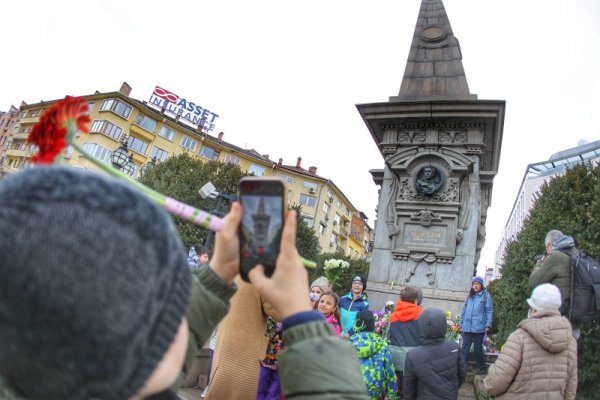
<point>404,329</point>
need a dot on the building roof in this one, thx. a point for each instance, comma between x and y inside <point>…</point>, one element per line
<point>434,70</point>
<point>564,159</point>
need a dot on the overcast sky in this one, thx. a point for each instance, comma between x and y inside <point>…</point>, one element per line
<point>285,76</point>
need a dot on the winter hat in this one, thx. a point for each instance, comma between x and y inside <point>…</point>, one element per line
<point>545,297</point>
<point>321,282</point>
<point>365,322</point>
<point>93,285</point>
<point>362,279</point>
<point>478,280</point>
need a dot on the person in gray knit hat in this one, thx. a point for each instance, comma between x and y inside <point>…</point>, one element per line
<point>94,287</point>
<point>95,296</point>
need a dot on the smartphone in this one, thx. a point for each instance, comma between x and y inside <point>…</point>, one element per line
<point>264,208</point>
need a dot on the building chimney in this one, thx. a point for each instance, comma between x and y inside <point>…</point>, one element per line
<point>23,104</point>
<point>220,136</point>
<point>298,162</point>
<point>125,89</point>
<point>280,161</point>
<point>312,170</point>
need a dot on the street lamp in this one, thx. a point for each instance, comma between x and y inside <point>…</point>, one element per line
<point>148,166</point>
<point>122,161</point>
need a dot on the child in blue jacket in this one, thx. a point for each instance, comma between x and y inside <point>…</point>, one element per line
<point>352,303</point>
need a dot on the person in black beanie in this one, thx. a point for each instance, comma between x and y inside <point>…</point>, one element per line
<point>352,303</point>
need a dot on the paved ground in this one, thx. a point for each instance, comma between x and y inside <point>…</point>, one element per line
<point>189,394</point>
<point>466,392</point>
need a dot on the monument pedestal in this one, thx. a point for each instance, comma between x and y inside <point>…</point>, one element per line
<point>446,300</point>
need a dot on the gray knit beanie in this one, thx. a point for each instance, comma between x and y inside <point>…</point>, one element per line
<point>321,282</point>
<point>93,285</point>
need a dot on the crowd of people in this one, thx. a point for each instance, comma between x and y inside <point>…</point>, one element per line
<point>98,300</point>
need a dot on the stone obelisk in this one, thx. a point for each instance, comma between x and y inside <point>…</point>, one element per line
<point>441,147</point>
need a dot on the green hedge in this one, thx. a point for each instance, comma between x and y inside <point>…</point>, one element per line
<point>570,203</point>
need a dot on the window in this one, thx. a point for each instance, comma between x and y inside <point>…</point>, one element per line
<point>159,154</point>
<point>167,133</point>
<point>336,219</point>
<point>256,170</point>
<point>209,153</point>
<point>100,152</point>
<point>308,201</point>
<point>325,208</point>
<point>288,179</point>
<point>90,107</point>
<point>33,113</point>
<point>25,129</point>
<point>312,187</point>
<point>334,238</point>
<point>310,221</point>
<point>188,143</point>
<point>106,128</point>
<point>322,229</point>
<point>146,122</point>
<point>137,145</point>
<point>116,106</point>
<point>231,159</point>
<point>16,129</point>
<point>69,151</point>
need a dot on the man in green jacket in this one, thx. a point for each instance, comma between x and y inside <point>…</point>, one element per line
<point>555,268</point>
<point>96,296</point>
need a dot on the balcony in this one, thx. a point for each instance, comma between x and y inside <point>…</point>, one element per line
<point>142,133</point>
<point>339,249</point>
<point>344,232</point>
<point>29,120</point>
<point>16,153</point>
<point>20,136</point>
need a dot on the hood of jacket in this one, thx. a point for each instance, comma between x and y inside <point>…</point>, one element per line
<point>367,344</point>
<point>551,330</point>
<point>564,242</point>
<point>432,324</point>
<point>405,311</point>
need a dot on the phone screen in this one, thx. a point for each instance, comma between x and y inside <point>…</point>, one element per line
<point>262,224</point>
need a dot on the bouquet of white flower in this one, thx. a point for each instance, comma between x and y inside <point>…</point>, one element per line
<point>333,269</point>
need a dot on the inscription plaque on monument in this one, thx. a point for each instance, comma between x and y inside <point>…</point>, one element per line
<point>418,235</point>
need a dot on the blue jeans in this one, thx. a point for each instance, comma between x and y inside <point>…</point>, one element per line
<point>477,340</point>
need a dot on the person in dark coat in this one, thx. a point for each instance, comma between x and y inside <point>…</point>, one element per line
<point>435,369</point>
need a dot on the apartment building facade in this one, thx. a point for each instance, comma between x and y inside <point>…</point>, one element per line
<point>152,134</point>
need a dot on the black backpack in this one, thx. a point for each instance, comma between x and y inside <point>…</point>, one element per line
<point>584,304</point>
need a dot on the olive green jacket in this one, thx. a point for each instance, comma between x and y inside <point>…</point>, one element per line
<point>317,365</point>
<point>555,268</point>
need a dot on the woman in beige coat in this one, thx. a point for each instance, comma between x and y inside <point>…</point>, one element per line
<point>241,344</point>
<point>539,359</point>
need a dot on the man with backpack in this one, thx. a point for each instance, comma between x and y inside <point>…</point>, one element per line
<point>555,268</point>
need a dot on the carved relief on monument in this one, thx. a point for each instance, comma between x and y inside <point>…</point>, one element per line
<point>428,180</point>
<point>453,136</point>
<point>427,210</point>
<point>411,137</point>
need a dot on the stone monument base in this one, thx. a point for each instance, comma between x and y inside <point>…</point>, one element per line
<point>446,300</point>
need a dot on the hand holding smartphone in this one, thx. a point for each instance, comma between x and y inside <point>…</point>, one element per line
<point>264,208</point>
